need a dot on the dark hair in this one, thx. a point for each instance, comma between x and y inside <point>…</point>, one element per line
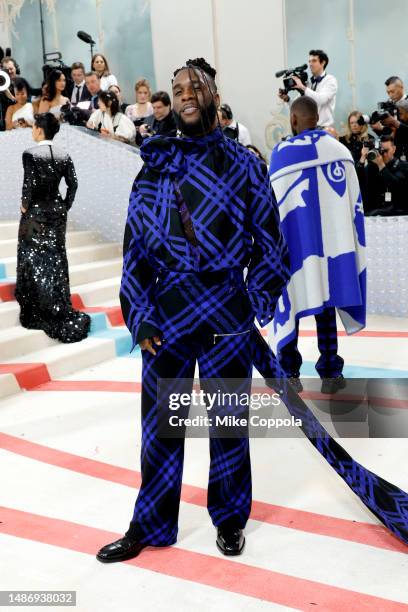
<point>92,73</point>
<point>50,84</point>
<point>78,66</point>
<point>110,99</point>
<point>20,84</point>
<point>204,66</point>
<point>257,152</point>
<point>306,105</point>
<point>388,138</point>
<point>106,72</point>
<point>7,58</point>
<point>226,112</point>
<point>161,96</point>
<point>392,80</point>
<point>47,122</point>
<point>323,57</point>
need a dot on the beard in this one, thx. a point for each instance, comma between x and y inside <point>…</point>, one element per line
<point>203,124</point>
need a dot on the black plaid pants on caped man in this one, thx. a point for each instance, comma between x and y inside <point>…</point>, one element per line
<point>329,364</point>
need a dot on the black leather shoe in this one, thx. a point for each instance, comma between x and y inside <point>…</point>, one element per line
<point>230,541</point>
<point>121,550</point>
<point>332,385</point>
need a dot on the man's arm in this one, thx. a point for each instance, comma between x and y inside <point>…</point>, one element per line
<point>138,277</point>
<point>268,271</point>
<point>326,92</point>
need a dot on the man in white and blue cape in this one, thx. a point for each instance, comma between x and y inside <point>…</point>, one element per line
<point>322,220</point>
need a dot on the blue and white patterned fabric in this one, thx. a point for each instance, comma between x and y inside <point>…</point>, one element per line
<point>322,220</point>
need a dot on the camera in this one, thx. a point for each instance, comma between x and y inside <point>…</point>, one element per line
<point>374,146</point>
<point>384,110</point>
<point>288,74</point>
<point>74,115</point>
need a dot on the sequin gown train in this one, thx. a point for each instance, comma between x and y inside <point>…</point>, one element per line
<point>42,286</point>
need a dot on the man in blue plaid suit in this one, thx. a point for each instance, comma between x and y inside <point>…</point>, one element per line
<point>201,210</point>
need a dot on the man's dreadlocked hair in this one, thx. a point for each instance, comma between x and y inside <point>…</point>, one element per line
<point>204,66</point>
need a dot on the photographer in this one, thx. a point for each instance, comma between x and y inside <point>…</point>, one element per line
<point>385,179</point>
<point>231,127</point>
<point>322,88</point>
<point>391,122</point>
<point>399,125</point>
<point>161,122</point>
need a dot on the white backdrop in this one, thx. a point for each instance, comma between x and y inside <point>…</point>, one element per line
<point>246,46</point>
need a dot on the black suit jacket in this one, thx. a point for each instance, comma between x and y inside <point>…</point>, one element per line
<point>85,95</point>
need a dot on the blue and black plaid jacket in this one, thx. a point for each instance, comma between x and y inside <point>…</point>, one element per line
<point>234,214</point>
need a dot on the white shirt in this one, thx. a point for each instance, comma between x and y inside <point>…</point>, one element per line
<point>325,97</point>
<point>107,81</point>
<point>74,92</point>
<point>244,136</point>
<point>120,126</point>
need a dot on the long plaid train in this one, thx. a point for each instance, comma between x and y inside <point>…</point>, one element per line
<point>201,305</point>
<point>388,502</point>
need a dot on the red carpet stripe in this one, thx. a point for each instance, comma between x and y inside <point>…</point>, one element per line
<point>215,572</point>
<point>291,518</point>
<point>7,292</point>
<point>28,375</point>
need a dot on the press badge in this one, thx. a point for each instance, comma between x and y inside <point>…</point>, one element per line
<point>388,196</point>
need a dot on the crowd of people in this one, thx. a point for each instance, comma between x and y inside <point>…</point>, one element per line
<point>378,143</point>
<point>94,99</point>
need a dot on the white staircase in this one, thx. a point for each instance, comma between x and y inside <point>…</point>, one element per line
<point>95,270</point>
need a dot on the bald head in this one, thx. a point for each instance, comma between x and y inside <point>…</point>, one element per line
<point>304,114</point>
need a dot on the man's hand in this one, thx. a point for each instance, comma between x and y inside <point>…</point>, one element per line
<point>283,95</point>
<point>299,84</point>
<point>23,210</point>
<point>378,127</point>
<point>143,129</point>
<point>391,122</point>
<point>378,161</point>
<point>147,344</point>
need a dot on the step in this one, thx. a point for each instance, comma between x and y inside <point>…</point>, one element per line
<point>18,341</point>
<point>8,385</point>
<point>76,255</point>
<point>94,271</point>
<point>64,359</point>
<point>8,229</point>
<point>9,315</point>
<point>8,248</point>
<point>96,293</point>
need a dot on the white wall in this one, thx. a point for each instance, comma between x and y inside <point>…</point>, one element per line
<point>245,41</point>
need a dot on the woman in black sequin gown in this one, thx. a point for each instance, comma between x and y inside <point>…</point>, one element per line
<point>42,286</point>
